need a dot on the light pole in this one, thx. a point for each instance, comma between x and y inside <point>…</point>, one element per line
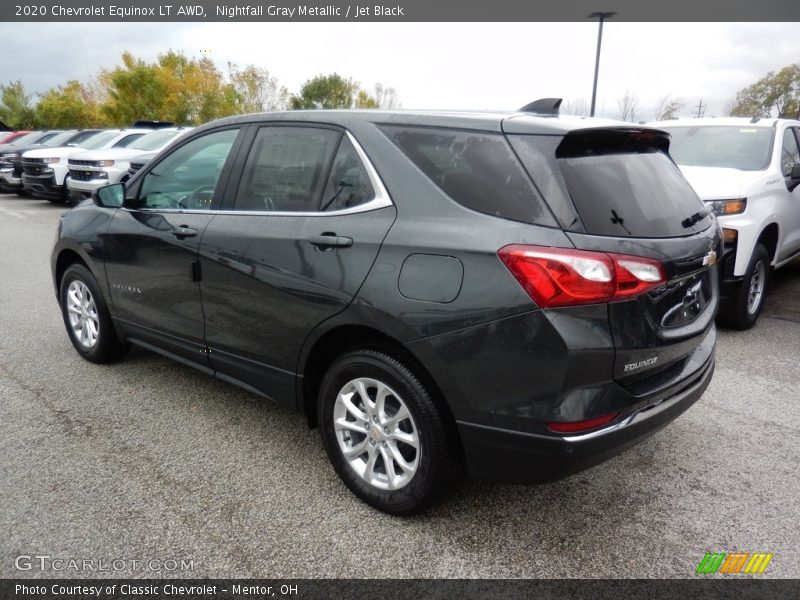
<point>602,16</point>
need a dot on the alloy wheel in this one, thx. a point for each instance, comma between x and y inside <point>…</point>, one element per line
<point>376,433</point>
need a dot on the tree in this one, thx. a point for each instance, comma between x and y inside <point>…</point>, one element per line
<point>668,108</point>
<point>71,105</point>
<point>775,94</point>
<point>134,91</point>
<point>16,110</point>
<point>256,90</point>
<point>385,97</point>
<point>364,100</point>
<point>325,92</point>
<point>628,106</point>
<point>579,107</point>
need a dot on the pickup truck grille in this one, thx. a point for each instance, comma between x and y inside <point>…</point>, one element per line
<point>33,166</point>
<point>81,175</point>
<point>83,163</point>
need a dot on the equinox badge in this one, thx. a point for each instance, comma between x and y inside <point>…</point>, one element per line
<point>642,363</point>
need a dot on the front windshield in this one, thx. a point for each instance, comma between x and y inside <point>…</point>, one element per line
<point>99,140</point>
<point>153,141</point>
<point>726,146</point>
<point>60,139</point>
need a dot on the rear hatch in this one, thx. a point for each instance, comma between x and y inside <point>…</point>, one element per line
<point>616,191</point>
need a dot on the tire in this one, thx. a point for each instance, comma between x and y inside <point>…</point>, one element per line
<point>86,317</point>
<point>745,306</point>
<point>423,473</point>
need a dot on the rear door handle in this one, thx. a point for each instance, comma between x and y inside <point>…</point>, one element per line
<point>330,240</point>
<point>183,232</point>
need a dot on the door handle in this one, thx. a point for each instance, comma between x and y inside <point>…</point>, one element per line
<point>183,232</point>
<point>330,240</point>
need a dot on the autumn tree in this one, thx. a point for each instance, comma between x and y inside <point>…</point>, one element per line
<point>16,109</point>
<point>668,108</point>
<point>134,91</point>
<point>775,94</point>
<point>385,97</point>
<point>256,90</point>
<point>70,105</point>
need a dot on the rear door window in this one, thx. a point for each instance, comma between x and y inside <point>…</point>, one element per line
<point>623,184</point>
<point>476,169</point>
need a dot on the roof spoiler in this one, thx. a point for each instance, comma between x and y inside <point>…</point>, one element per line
<point>153,124</point>
<point>543,106</point>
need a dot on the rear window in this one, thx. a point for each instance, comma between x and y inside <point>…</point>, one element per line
<point>623,184</point>
<point>476,169</point>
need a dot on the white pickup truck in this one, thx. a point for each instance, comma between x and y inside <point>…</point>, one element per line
<point>45,171</point>
<point>90,170</point>
<point>748,172</point>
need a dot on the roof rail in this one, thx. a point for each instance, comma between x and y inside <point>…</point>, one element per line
<point>543,106</point>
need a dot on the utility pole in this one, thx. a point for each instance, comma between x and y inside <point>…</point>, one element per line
<point>602,16</point>
<point>701,110</point>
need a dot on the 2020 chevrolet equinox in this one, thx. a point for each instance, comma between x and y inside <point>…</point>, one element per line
<point>519,295</point>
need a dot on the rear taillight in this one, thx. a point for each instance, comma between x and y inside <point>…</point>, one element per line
<point>568,277</point>
<point>581,426</point>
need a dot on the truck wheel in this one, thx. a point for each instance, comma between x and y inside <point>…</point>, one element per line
<point>745,307</point>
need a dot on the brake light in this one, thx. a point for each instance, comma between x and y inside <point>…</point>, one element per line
<point>568,277</point>
<point>580,426</point>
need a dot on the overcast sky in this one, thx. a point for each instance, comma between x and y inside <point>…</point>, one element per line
<point>436,65</point>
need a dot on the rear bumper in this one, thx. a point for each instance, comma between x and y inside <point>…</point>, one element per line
<point>519,457</point>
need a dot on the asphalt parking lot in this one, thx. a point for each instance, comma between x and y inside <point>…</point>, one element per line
<point>148,459</point>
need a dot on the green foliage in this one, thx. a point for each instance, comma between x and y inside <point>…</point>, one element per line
<point>71,105</point>
<point>134,91</point>
<point>176,88</point>
<point>775,94</point>
<point>325,92</point>
<point>16,110</point>
<point>364,100</point>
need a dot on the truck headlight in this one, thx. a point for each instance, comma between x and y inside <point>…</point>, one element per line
<point>51,161</point>
<point>722,208</point>
<point>105,163</point>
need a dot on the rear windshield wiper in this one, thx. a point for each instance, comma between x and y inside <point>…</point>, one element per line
<point>696,217</point>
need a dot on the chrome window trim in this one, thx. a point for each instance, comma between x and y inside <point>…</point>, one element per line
<point>381,199</point>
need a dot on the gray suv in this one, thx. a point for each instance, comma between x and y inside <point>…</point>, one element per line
<point>516,295</point>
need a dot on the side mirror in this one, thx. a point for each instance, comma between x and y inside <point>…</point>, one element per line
<point>110,196</point>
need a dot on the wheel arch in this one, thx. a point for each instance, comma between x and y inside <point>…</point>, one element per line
<point>347,337</point>
<point>769,236</point>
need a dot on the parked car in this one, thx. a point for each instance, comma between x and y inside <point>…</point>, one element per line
<point>93,169</point>
<point>748,172</point>
<point>9,136</point>
<point>11,155</point>
<point>45,170</point>
<point>431,289</point>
